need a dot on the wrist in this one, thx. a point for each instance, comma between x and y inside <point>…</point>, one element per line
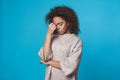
<point>50,62</point>
<point>48,34</point>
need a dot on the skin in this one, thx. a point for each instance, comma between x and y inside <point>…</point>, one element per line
<point>61,26</point>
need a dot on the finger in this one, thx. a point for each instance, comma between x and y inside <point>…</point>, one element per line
<point>42,62</point>
<point>50,24</point>
<point>52,27</point>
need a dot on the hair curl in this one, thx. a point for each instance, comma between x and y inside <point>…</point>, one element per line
<point>67,14</point>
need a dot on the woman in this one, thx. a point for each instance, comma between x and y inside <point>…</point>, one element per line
<point>61,51</point>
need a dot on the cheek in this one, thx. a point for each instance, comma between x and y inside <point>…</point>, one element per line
<point>65,27</point>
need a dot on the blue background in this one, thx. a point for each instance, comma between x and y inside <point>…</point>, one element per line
<point>23,29</point>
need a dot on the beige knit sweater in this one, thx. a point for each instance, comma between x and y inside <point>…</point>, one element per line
<point>67,49</point>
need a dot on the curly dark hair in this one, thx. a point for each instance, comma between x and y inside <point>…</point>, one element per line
<point>67,14</point>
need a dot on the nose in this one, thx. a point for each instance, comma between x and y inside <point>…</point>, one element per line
<point>58,27</point>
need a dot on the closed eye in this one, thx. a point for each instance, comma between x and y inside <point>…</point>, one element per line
<point>60,24</point>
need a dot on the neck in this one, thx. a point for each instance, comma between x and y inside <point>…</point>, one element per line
<point>67,32</point>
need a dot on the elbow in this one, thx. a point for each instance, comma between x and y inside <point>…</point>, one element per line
<point>68,70</point>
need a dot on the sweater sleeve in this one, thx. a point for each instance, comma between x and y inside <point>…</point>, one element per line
<point>41,54</point>
<point>70,64</point>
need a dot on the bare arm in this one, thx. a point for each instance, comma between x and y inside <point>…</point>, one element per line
<point>53,63</point>
<point>47,44</point>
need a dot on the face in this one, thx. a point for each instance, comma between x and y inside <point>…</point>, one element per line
<point>61,25</point>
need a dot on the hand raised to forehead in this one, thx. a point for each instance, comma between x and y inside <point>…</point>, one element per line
<point>51,28</point>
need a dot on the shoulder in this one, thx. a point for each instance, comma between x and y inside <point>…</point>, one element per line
<point>77,39</point>
<point>77,42</point>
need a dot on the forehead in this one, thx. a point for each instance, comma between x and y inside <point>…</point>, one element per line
<point>58,19</point>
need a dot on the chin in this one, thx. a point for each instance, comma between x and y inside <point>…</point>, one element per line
<point>60,33</point>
